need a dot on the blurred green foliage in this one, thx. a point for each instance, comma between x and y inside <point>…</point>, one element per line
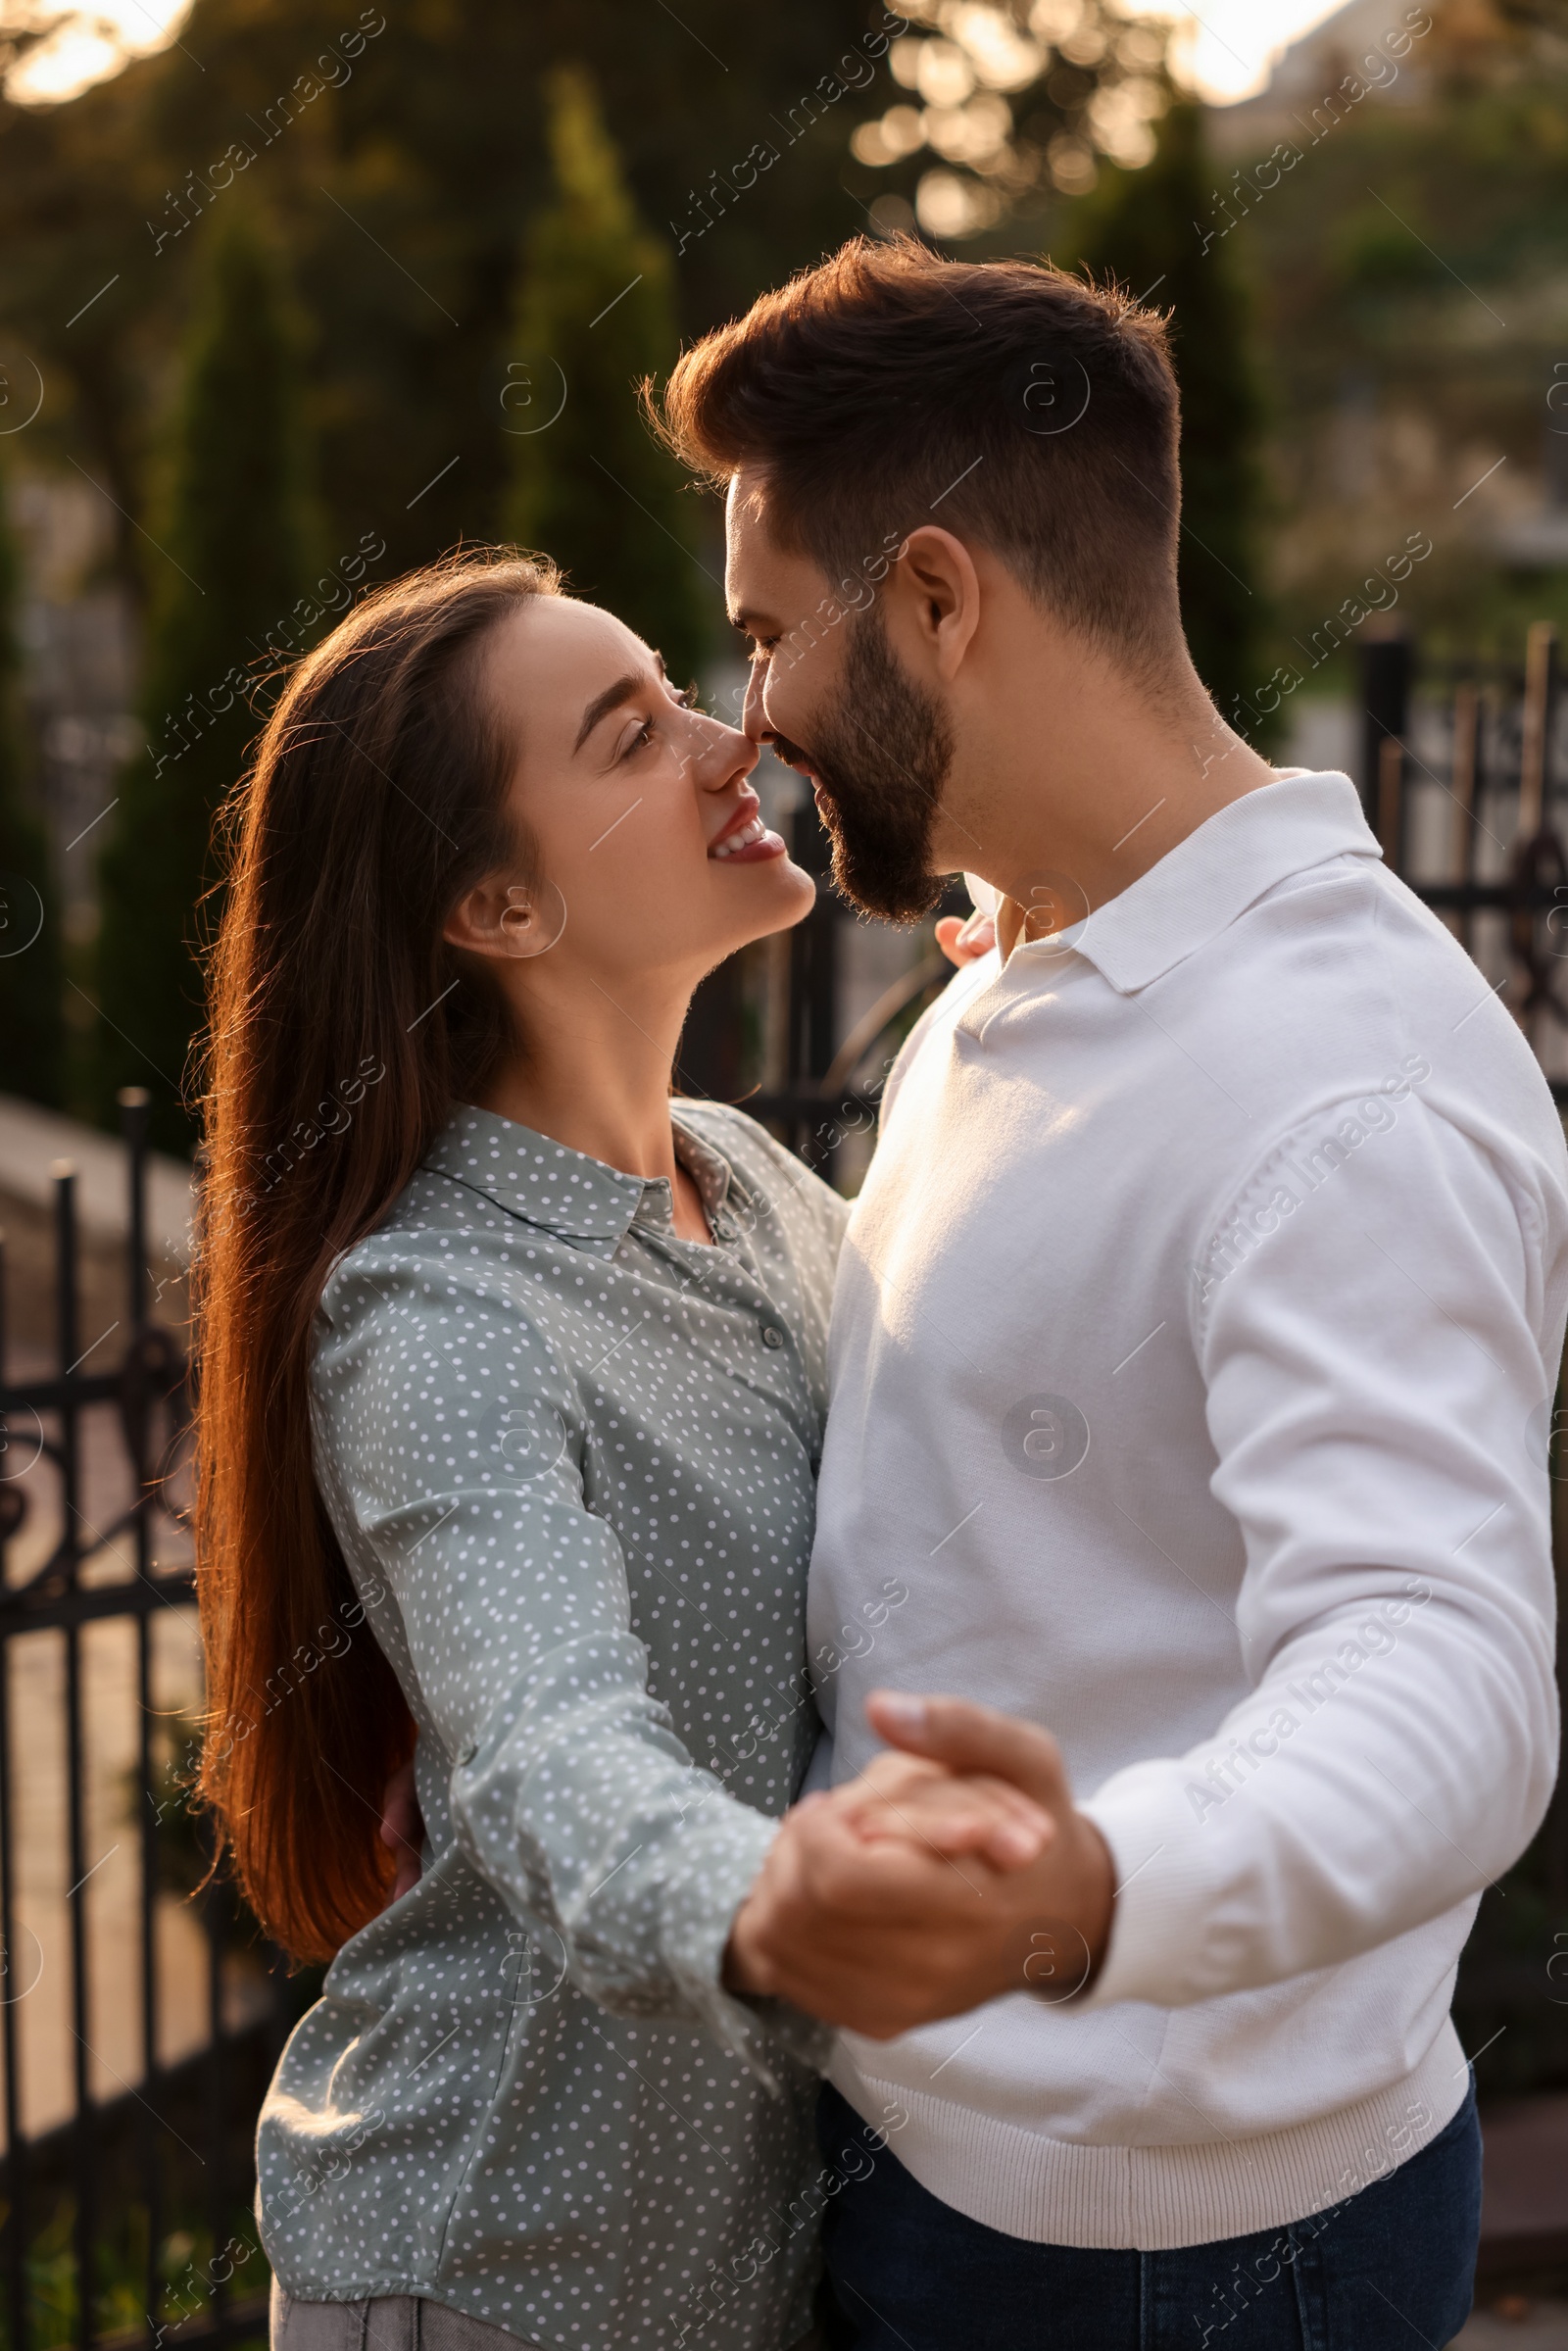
<point>401,160</point>
<point>185,2257</point>
<point>596,314</point>
<point>235,531</point>
<point>1413,311</point>
<point>1139,227</point>
<point>31,1032</point>
<point>404,191</point>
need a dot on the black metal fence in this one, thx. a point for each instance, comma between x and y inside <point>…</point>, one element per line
<point>103,2211</point>
<point>124,2223</point>
<point>1503,765</point>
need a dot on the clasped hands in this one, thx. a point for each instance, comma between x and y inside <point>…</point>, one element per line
<point>954,1869</point>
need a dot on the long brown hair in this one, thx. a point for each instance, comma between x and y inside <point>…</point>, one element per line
<point>342,1029</point>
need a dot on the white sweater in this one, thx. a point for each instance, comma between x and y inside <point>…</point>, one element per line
<point>1193,1353</point>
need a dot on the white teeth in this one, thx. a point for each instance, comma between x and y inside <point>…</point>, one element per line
<point>741,840</point>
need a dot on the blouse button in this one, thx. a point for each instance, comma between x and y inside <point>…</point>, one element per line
<point>772,1337</point>
<point>467,1755</point>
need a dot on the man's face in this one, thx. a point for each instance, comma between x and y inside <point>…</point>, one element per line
<point>829,693</point>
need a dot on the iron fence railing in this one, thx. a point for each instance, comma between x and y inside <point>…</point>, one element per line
<point>68,2262</point>
<point>1501,765</point>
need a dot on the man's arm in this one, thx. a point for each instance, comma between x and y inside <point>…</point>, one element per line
<point>1374,1365</point>
<point>1378,1407</point>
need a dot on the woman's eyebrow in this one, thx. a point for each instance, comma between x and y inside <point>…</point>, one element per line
<point>611,700</point>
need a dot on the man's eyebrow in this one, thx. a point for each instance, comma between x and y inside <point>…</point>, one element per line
<point>611,700</point>
<point>751,623</point>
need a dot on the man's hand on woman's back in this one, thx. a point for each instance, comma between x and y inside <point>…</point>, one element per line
<point>965,942</point>
<point>402,1829</point>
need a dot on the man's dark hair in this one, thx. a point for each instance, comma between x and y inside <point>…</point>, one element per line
<point>1025,409</point>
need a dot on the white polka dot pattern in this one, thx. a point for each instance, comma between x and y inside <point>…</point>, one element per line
<point>570,1459</point>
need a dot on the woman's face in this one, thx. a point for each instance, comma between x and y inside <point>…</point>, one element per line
<point>648,829</point>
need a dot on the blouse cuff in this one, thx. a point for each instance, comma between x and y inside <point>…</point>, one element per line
<point>704,1887</point>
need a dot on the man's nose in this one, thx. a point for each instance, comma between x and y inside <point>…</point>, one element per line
<point>728,756</point>
<point>753,717</point>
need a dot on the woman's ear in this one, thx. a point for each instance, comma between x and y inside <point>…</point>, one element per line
<point>475,921</point>
<point>510,921</point>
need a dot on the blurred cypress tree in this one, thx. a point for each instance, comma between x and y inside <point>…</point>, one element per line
<point>31,1039</point>
<point>430,147</point>
<point>1149,227</point>
<point>236,544</point>
<point>595,315</point>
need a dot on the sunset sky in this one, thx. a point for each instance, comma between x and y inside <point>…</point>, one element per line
<point>1226,47</point>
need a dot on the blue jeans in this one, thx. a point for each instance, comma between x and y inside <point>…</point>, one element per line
<point>1389,2270</point>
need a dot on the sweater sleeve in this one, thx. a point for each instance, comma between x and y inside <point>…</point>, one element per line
<point>1371,1326</point>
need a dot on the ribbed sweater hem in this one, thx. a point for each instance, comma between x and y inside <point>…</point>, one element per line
<point>1057,2191</point>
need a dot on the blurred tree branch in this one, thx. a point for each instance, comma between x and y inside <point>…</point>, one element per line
<point>1006,97</point>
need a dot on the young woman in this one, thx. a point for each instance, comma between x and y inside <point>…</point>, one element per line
<point>512,1388</point>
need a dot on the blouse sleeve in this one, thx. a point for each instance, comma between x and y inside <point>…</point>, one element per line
<point>450,1442</point>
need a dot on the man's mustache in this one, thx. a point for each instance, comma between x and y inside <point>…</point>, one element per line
<point>794,754</point>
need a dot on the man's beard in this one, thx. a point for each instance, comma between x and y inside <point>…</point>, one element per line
<point>881,751</point>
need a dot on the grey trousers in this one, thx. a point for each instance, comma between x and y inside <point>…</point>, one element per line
<point>391,2323</point>
<point>396,2323</point>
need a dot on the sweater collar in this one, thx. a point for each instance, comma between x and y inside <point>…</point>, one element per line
<point>1222,867</point>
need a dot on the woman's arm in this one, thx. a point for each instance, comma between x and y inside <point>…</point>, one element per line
<point>449,1444</point>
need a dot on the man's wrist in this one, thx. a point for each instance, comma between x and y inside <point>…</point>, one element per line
<point>1066,1951</point>
<point>1100,1897</point>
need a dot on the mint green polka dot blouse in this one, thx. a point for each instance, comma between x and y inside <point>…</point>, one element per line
<point>570,1460</point>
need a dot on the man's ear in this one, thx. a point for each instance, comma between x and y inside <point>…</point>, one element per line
<point>936,583</point>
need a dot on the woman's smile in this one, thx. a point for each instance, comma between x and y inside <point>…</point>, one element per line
<point>744,839</point>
